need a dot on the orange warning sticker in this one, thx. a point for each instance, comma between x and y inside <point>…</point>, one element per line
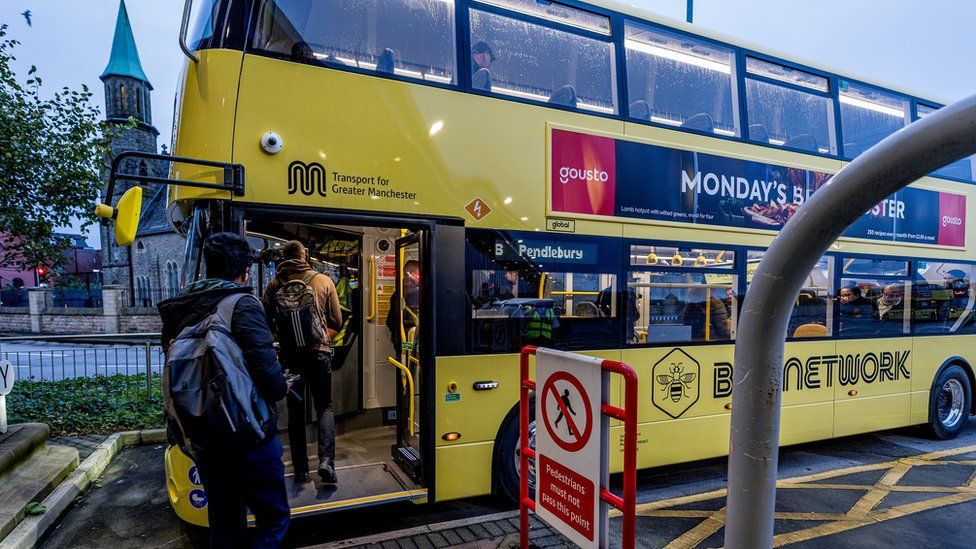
<point>478,209</point>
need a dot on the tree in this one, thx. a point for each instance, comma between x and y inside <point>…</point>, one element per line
<point>52,153</point>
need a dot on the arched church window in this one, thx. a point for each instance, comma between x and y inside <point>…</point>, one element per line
<point>122,102</point>
<point>172,279</point>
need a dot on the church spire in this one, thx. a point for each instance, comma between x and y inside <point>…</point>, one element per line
<point>124,60</point>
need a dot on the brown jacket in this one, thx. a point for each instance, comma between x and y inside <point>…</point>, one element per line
<point>326,296</point>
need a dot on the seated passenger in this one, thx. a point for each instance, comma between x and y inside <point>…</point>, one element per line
<point>890,304</point>
<point>502,286</point>
<point>481,59</point>
<point>701,309</point>
<point>853,303</point>
<point>565,96</point>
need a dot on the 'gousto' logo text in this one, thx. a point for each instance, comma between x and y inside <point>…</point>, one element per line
<point>567,174</point>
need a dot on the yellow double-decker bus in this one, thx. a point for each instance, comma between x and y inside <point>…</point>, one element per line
<point>583,176</point>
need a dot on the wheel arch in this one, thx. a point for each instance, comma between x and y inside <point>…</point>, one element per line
<point>512,415</point>
<point>966,367</point>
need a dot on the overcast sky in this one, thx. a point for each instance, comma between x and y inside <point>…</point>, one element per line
<point>926,47</point>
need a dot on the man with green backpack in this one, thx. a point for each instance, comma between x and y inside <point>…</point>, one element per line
<point>304,308</point>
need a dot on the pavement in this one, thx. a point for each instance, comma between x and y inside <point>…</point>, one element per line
<point>895,488</point>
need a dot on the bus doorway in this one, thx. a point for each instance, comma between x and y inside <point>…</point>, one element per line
<point>377,366</point>
<point>405,324</point>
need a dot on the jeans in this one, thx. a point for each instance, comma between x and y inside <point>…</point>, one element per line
<point>315,367</point>
<point>235,481</point>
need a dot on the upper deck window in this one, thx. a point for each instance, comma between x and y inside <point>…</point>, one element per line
<point>521,59</point>
<point>883,267</point>
<point>409,38</point>
<point>961,169</point>
<point>868,115</point>
<point>786,115</point>
<point>680,81</point>
<point>557,12</point>
<point>204,17</point>
<point>786,74</point>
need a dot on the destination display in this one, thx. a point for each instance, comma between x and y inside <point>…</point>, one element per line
<point>618,178</point>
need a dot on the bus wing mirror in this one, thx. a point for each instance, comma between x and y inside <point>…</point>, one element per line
<point>125,215</point>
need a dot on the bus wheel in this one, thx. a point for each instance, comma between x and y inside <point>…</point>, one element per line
<point>507,455</point>
<point>949,403</point>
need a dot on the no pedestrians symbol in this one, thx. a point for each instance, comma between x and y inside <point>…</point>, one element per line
<point>566,411</point>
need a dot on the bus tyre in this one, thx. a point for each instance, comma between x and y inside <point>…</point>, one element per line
<point>506,459</point>
<point>950,403</point>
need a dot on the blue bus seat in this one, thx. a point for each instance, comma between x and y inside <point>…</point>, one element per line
<point>701,122</point>
<point>852,150</point>
<point>640,110</point>
<point>386,61</point>
<point>804,142</point>
<point>757,132</point>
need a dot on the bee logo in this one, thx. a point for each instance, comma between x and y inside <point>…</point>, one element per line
<point>677,379</point>
<point>677,382</point>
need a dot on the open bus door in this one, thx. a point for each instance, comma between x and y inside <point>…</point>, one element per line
<point>409,280</point>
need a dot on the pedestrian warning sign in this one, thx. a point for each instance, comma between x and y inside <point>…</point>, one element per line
<point>557,407</point>
<point>572,461</point>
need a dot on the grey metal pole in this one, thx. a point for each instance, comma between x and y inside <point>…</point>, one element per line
<point>937,140</point>
<point>691,11</point>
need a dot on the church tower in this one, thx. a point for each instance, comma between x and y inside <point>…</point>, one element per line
<point>127,96</point>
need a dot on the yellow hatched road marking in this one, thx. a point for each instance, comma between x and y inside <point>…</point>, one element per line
<point>863,512</point>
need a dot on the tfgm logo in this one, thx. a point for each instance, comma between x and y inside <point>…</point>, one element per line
<point>306,178</point>
<point>677,378</point>
<point>567,174</point>
<point>951,220</point>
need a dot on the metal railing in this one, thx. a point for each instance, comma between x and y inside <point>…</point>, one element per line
<point>13,298</point>
<point>62,298</point>
<point>134,362</point>
<point>146,297</point>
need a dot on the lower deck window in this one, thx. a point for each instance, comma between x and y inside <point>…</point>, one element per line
<point>549,291</point>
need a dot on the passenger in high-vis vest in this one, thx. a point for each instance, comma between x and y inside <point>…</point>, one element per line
<point>539,326</point>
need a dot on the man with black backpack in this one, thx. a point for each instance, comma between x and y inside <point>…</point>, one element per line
<point>304,307</point>
<point>220,386</point>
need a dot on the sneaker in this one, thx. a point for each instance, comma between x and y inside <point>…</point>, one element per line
<point>327,472</point>
<point>301,478</point>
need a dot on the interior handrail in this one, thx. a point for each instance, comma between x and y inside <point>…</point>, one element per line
<point>409,377</point>
<point>372,290</point>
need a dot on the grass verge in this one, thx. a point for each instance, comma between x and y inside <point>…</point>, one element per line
<point>97,404</point>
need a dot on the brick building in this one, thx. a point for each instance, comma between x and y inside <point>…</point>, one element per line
<point>150,267</point>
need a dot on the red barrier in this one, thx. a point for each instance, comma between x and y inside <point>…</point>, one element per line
<point>628,414</point>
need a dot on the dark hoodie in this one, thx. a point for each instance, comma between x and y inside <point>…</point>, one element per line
<point>249,328</point>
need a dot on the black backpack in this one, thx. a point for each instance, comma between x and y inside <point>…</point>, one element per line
<point>300,323</point>
<point>208,393</point>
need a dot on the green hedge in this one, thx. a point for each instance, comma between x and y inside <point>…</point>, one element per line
<point>96,404</point>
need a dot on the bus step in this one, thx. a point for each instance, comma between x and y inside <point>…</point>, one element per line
<point>408,458</point>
